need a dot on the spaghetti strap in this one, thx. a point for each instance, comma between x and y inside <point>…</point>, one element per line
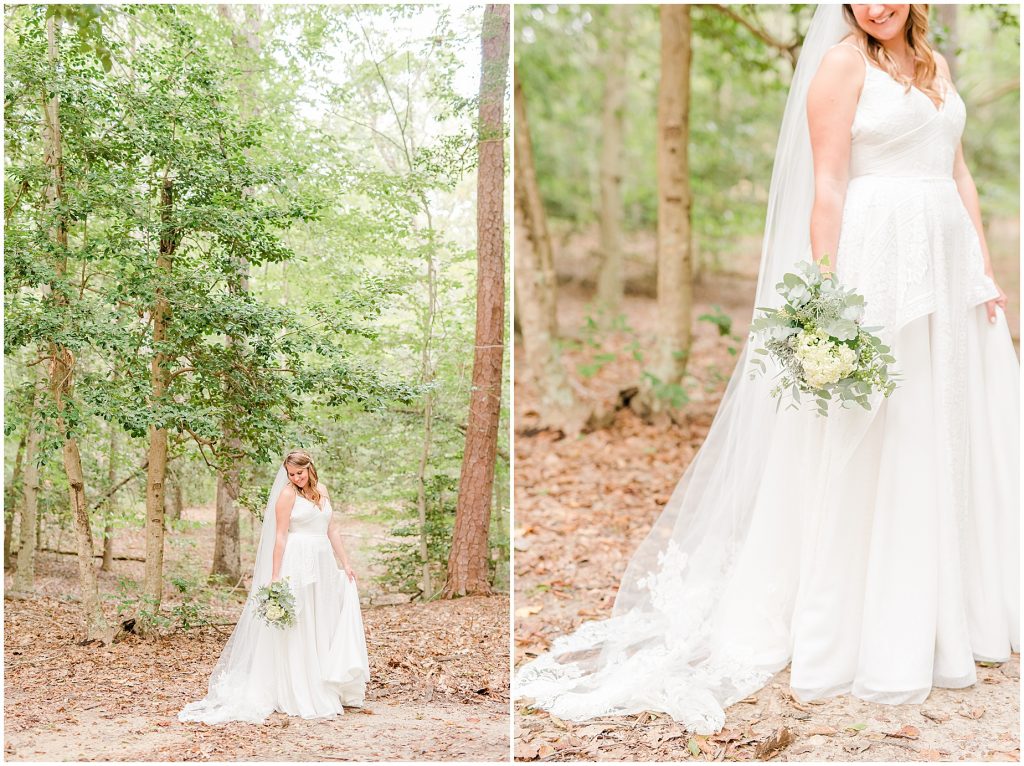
<point>856,48</point>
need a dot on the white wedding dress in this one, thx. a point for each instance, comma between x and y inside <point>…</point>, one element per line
<point>877,552</point>
<point>311,669</point>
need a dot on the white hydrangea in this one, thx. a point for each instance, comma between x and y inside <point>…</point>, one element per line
<point>274,612</point>
<point>824,362</point>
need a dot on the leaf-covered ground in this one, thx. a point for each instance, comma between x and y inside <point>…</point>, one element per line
<point>438,690</point>
<point>584,504</point>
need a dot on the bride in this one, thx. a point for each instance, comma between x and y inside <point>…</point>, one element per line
<point>318,665</point>
<point>875,551</point>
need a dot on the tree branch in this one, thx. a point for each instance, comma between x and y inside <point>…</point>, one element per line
<point>998,92</point>
<point>789,50</point>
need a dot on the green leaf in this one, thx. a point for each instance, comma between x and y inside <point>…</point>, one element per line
<point>693,747</point>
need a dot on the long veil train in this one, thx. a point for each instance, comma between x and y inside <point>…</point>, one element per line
<point>668,647</point>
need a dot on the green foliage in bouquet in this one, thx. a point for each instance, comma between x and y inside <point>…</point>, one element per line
<point>817,340</point>
<point>275,604</point>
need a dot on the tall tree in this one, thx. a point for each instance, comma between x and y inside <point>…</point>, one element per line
<point>227,557</point>
<point>160,378</point>
<point>674,245</point>
<point>468,571</point>
<point>62,361</point>
<point>536,287</point>
<point>610,276</point>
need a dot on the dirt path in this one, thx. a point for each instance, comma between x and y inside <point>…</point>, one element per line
<point>409,732</point>
<point>582,507</point>
<point>438,688</point>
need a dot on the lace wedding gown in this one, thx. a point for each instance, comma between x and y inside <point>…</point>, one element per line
<point>877,552</point>
<point>310,669</point>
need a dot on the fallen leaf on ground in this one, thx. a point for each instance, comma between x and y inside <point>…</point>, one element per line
<point>828,731</point>
<point>526,611</point>
<point>781,739</point>
<point>1002,755</point>
<point>931,755</point>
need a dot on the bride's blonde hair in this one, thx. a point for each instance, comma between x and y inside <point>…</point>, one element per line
<point>301,459</point>
<point>916,33</point>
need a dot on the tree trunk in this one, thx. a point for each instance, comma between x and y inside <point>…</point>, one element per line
<point>227,558</point>
<point>25,574</point>
<point>536,289</point>
<point>11,493</point>
<point>421,474</point>
<point>947,16</point>
<point>530,208</point>
<point>227,555</point>
<point>610,275</point>
<point>108,527</point>
<point>468,570</point>
<point>174,503</point>
<point>159,379</point>
<point>62,363</point>
<point>675,265</point>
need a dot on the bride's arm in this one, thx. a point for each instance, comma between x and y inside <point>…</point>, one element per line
<point>831,105</point>
<point>283,515</point>
<point>969,194</point>
<point>334,535</point>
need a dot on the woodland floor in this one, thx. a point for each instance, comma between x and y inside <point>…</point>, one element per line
<point>438,688</point>
<point>584,504</point>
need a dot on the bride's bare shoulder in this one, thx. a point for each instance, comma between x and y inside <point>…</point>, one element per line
<point>843,59</point>
<point>840,76</point>
<point>286,499</point>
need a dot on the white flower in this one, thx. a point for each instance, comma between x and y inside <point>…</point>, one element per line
<point>274,612</point>
<point>824,362</point>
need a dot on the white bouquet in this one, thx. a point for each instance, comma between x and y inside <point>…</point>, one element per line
<point>275,604</point>
<point>817,339</point>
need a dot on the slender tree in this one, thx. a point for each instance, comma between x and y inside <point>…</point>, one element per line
<point>62,361</point>
<point>610,276</point>
<point>468,571</point>
<point>160,378</point>
<point>674,245</point>
<point>227,556</point>
<point>536,288</point>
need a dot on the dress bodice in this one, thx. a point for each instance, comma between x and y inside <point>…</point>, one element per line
<point>896,132</point>
<point>308,518</point>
